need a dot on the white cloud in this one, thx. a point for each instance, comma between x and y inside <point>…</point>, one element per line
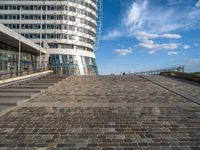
<point>148,23</point>
<point>148,45</point>
<point>112,35</point>
<point>155,25</point>
<point>186,46</point>
<point>156,46</point>
<point>135,13</point>
<point>169,46</point>
<point>193,61</point>
<point>171,36</point>
<point>147,36</point>
<point>196,44</point>
<point>152,52</point>
<point>146,15</point>
<point>147,42</point>
<point>123,51</point>
<point>172,53</point>
<point>142,36</point>
<point>198,4</point>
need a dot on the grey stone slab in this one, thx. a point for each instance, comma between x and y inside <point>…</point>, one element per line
<point>20,90</point>
<point>104,112</point>
<point>16,93</point>
<point>10,101</point>
<point>3,108</point>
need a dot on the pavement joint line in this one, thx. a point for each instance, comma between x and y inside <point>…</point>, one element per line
<point>103,105</point>
<point>188,97</point>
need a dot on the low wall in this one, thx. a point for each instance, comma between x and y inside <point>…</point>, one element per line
<point>187,76</point>
<point>23,78</point>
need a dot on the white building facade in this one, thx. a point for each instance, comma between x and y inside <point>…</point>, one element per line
<point>67,28</point>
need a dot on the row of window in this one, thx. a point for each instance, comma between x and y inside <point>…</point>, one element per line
<point>48,17</point>
<point>75,1</point>
<point>68,46</point>
<point>61,58</point>
<point>69,59</point>
<point>53,7</point>
<point>57,36</point>
<point>52,26</point>
<point>81,2</point>
<point>48,7</point>
<point>88,61</point>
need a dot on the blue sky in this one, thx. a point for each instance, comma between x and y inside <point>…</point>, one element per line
<point>141,35</point>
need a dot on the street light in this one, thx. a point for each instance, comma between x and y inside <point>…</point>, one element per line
<point>19,54</point>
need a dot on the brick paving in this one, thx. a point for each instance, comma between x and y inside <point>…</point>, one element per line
<point>106,113</point>
<point>188,87</point>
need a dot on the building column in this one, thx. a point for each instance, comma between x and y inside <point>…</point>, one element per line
<point>80,64</point>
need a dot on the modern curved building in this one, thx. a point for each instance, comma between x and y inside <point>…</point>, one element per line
<point>67,28</point>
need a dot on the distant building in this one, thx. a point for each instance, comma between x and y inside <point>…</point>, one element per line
<point>67,26</point>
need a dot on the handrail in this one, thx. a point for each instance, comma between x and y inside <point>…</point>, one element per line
<point>157,72</point>
<point>15,72</point>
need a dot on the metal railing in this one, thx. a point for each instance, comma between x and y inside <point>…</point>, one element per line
<point>157,72</point>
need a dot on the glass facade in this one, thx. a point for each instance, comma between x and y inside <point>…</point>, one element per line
<point>89,65</point>
<point>68,64</point>
<point>29,61</point>
<point>9,59</point>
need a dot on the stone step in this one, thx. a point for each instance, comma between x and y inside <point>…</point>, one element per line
<point>31,87</point>
<point>50,80</point>
<point>20,90</point>
<point>3,108</point>
<point>10,101</point>
<point>15,96</point>
<point>44,81</point>
<point>6,91</point>
<point>2,93</point>
<point>37,84</point>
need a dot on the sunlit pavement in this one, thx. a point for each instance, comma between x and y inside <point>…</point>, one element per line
<point>107,112</point>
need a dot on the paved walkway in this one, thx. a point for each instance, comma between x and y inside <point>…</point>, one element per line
<point>187,87</point>
<point>105,112</point>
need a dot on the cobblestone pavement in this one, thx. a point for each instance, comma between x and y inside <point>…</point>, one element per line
<point>178,84</point>
<point>104,112</point>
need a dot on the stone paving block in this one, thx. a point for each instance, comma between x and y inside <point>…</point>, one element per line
<point>104,112</point>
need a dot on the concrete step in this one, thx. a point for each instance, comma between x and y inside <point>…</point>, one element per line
<point>43,81</point>
<point>50,80</point>
<point>3,108</point>
<point>10,101</point>
<point>15,96</point>
<point>31,87</point>
<point>20,90</point>
<point>37,84</point>
<point>15,93</point>
<point>2,93</point>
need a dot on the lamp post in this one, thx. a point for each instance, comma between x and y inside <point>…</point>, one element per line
<point>19,53</point>
<point>40,37</point>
